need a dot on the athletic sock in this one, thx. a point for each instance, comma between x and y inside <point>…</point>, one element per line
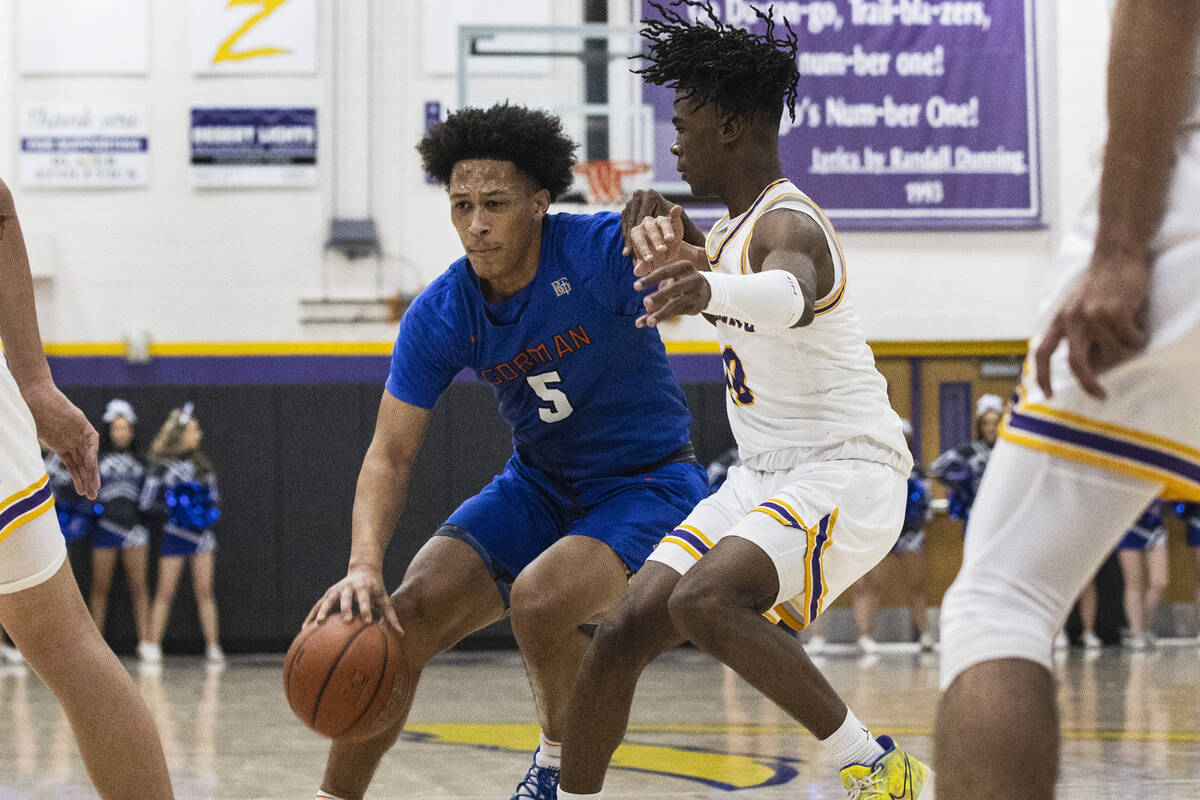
<point>852,743</point>
<point>563,794</point>
<point>327,796</point>
<point>549,754</point>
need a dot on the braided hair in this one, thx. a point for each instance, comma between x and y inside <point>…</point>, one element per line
<point>532,140</point>
<point>741,73</point>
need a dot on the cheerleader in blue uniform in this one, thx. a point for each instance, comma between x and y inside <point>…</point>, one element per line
<point>961,469</point>
<point>1144,544</point>
<point>182,485</point>
<point>119,527</point>
<point>909,554</point>
<point>1190,513</point>
<point>76,514</point>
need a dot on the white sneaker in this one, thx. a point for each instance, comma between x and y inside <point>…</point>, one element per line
<point>1061,642</point>
<point>213,654</point>
<point>149,653</point>
<point>928,643</point>
<point>1091,641</point>
<point>11,655</point>
<point>1138,643</point>
<point>868,645</point>
<point>815,645</point>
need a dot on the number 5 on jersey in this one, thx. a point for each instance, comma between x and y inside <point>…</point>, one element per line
<point>543,387</point>
<point>735,378</point>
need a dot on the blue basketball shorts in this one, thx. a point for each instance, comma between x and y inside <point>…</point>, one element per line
<point>524,511</point>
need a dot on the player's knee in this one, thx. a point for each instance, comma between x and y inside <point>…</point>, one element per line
<point>694,609</point>
<point>536,607</point>
<point>628,637</point>
<point>986,617</point>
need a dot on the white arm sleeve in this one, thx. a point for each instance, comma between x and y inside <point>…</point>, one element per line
<point>771,298</point>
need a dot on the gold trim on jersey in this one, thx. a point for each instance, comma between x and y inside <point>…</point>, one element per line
<point>830,301</point>
<point>714,259</point>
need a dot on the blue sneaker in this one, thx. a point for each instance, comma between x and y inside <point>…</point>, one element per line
<point>541,783</point>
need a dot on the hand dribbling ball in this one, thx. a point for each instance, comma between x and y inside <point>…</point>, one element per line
<point>347,680</point>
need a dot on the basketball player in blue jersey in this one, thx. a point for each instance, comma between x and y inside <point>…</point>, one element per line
<point>40,605</point>
<point>1105,421</point>
<point>819,496</point>
<point>541,309</point>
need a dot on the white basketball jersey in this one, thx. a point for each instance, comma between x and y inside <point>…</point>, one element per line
<point>805,394</point>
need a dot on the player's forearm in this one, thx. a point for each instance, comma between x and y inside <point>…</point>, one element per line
<point>378,502</point>
<point>1149,84</point>
<point>18,317</point>
<point>691,234</point>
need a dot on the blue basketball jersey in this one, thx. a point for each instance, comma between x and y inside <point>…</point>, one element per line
<point>587,393</point>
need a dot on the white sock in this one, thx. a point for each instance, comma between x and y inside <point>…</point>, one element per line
<point>327,796</point>
<point>852,743</point>
<point>563,794</point>
<point>549,754</point>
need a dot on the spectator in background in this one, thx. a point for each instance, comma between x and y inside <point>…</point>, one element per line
<point>1144,546</point>
<point>961,469</point>
<point>182,484</point>
<point>76,513</point>
<point>909,554</point>
<point>1190,514</point>
<point>119,528</point>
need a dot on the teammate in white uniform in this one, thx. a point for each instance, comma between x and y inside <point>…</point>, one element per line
<point>819,496</point>
<point>1105,420</point>
<point>40,604</point>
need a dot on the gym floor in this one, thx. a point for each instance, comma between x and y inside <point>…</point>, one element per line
<point>1131,722</point>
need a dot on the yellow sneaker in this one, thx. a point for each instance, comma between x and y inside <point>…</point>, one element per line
<point>895,775</point>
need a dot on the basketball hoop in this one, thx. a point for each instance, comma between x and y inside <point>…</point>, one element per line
<point>606,178</point>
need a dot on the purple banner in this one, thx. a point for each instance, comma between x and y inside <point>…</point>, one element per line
<point>909,113</point>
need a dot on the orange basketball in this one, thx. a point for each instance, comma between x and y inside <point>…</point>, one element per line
<point>347,680</point>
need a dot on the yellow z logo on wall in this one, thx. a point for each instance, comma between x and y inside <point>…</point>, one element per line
<point>226,52</point>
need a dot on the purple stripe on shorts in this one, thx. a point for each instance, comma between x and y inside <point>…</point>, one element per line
<point>1105,444</point>
<point>818,548</point>
<point>692,539</point>
<point>24,505</point>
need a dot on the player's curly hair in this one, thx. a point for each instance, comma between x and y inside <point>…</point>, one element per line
<point>741,73</point>
<point>532,140</point>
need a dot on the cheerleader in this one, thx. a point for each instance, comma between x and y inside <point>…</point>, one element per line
<point>119,528</point>
<point>76,514</point>
<point>1190,513</point>
<point>909,554</point>
<point>183,485</point>
<point>961,469</point>
<point>1144,544</point>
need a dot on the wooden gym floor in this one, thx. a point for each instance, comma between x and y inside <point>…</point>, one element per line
<point>1132,722</point>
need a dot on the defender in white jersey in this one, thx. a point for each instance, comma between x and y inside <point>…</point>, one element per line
<point>820,494</point>
<point>40,605</point>
<point>1105,419</point>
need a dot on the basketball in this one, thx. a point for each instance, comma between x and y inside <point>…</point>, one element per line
<point>347,680</point>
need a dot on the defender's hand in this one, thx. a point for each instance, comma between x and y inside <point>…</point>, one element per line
<point>361,587</point>
<point>657,240</point>
<point>1103,321</point>
<point>64,429</point>
<point>681,290</point>
<point>643,203</point>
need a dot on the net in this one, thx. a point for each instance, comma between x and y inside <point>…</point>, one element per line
<point>607,179</point>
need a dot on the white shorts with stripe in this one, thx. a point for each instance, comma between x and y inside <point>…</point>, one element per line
<point>1149,427</point>
<point>32,547</point>
<point>824,525</point>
